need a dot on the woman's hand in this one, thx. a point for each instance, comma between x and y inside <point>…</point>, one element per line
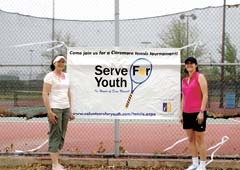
<point>181,118</point>
<point>71,116</point>
<point>52,117</point>
<point>200,117</point>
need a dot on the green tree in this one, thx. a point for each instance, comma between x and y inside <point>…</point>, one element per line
<point>48,55</point>
<point>59,37</point>
<point>231,72</point>
<point>177,36</point>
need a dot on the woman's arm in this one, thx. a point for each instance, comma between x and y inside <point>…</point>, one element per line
<point>45,92</point>
<point>181,110</point>
<point>204,88</point>
<point>71,116</point>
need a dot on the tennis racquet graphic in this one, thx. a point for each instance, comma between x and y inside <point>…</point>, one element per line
<point>140,71</point>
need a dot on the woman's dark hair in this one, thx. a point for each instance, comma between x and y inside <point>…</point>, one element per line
<point>52,66</point>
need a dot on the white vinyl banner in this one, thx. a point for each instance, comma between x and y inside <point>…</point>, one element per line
<point>123,83</point>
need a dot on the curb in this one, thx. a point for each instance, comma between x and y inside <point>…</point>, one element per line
<point>15,161</point>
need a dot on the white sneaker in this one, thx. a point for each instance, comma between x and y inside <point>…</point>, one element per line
<point>58,167</point>
<point>192,167</point>
<point>200,168</point>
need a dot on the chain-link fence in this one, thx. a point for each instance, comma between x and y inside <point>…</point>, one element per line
<point>25,59</point>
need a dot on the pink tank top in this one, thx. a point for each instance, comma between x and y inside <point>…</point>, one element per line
<point>192,94</point>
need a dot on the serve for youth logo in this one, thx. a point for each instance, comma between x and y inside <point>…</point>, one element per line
<point>139,72</point>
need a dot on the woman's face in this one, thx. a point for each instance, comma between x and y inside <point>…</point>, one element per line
<point>60,65</point>
<point>191,67</point>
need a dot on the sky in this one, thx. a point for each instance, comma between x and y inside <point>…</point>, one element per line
<point>105,9</point>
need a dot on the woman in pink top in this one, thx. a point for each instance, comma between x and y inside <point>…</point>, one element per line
<point>194,114</point>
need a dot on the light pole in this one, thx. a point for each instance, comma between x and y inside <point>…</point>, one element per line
<point>31,59</point>
<point>116,42</point>
<point>187,16</point>
<point>223,53</point>
<point>53,26</point>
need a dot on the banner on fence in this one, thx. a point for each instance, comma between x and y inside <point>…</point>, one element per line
<point>124,83</point>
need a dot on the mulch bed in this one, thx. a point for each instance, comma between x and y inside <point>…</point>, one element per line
<point>78,167</point>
